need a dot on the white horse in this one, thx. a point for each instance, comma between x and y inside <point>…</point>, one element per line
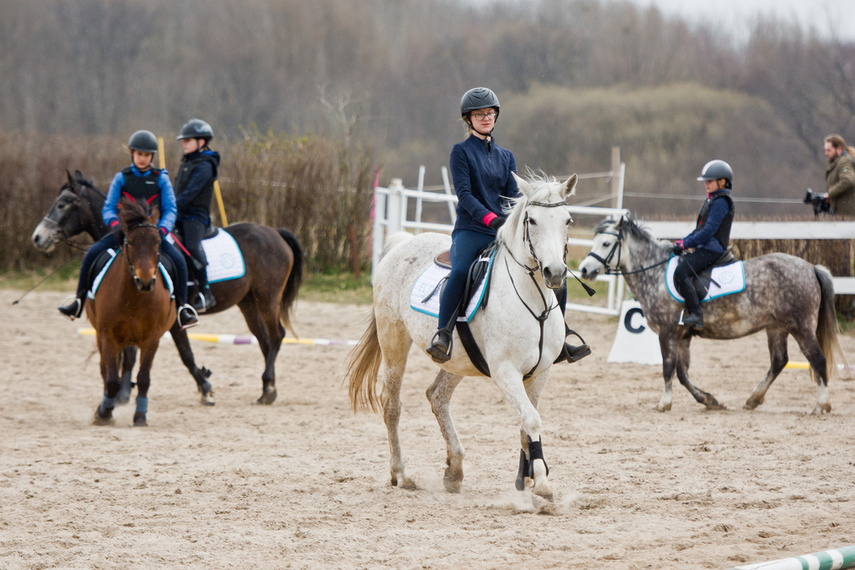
<point>520,331</point>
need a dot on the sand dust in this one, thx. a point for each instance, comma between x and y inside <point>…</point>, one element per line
<point>305,484</point>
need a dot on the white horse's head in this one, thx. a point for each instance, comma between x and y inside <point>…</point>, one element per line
<point>604,254</point>
<point>538,225</point>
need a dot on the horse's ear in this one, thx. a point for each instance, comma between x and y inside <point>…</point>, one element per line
<point>570,186</point>
<point>71,183</point>
<point>154,217</point>
<point>523,185</point>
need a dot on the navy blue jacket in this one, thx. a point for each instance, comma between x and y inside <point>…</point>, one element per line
<point>713,229</point>
<point>481,172</point>
<point>194,185</point>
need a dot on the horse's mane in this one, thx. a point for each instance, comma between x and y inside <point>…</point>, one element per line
<point>78,178</point>
<point>133,211</point>
<point>629,226</point>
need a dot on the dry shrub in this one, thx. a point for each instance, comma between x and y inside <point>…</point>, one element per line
<point>837,255</point>
<point>317,187</point>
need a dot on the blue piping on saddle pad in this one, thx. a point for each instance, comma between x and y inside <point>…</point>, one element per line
<point>97,283</point>
<point>729,279</point>
<point>424,296</point>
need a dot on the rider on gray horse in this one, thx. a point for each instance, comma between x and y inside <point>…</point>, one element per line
<point>710,238</point>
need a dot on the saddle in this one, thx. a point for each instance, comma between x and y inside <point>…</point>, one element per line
<point>478,271</point>
<point>103,261</point>
<point>703,281</point>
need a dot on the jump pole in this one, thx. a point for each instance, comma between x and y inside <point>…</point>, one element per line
<point>834,559</point>
<point>235,339</point>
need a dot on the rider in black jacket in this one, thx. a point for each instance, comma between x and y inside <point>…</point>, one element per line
<point>194,188</point>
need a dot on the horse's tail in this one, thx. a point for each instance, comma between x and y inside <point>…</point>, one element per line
<point>295,279</point>
<point>826,329</point>
<point>363,364</point>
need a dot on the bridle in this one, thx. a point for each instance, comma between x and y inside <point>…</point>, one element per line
<point>125,244</point>
<point>606,261</point>
<point>547,309</point>
<point>617,248</point>
<point>57,225</point>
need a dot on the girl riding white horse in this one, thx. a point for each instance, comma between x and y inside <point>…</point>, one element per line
<point>520,332</point>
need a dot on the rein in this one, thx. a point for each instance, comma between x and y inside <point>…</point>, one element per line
<point>541,319</point>
<point>617,247</point>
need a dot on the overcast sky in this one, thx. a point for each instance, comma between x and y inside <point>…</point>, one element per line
<point>829,18</point>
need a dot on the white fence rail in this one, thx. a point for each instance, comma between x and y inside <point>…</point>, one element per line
<point>392,206</point>
<point>391,215</point>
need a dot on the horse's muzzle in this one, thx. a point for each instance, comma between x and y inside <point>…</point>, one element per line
<point>145,285</point>
<point>553,278</point>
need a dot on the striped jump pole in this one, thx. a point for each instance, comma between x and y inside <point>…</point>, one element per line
<point>235,339</point>
<point>834,559</point>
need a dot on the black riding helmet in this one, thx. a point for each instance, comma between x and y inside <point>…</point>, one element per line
<point>478,98</point>
<point>715,169</point>
<point>196,129</point>
<point>144,141</point>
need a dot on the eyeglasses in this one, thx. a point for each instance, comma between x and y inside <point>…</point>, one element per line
<point>483,116</point>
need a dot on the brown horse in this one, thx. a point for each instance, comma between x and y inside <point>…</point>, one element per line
<point>265,294</point>
<point>132,307</point>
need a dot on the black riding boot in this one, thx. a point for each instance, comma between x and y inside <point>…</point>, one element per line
<point>695,318</point>
<point>440,346</point>
<point>571,352</point>
<point>205,300</point>
<point>74,308</point>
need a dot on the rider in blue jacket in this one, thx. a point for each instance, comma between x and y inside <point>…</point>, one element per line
<point>141,182</point>
<point>484,184</point>
<point>709,239</point>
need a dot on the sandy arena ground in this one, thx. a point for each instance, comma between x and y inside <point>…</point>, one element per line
<point>304,483</point>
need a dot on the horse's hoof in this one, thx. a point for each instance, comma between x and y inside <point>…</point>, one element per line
<point>139,420</point>
<point>207,399</point>
<point>268,396</point>
<point>451,485</point>
<point>99,420</point>
<point>123,398</point>
<point>665,408</point>
<point>819,410</point>
<point>407,483</point>
<point>543,491</point>
<point>751,404</point>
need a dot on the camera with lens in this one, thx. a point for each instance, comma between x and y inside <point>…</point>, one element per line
<point>818,201</point>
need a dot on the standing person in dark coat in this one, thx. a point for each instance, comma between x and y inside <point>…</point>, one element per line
<point>840,175</point>
<point>709,239</point>
<point>194,187</point>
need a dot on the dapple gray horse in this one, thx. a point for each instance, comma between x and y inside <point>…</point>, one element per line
<point>784,295</point>
<point>520,331</point>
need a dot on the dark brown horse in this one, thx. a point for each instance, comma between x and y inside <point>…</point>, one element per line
<point>265,294</point>
<point>132,307</point>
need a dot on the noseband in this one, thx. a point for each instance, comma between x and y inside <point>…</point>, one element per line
<point>56,225</point>
<point>616,248</point>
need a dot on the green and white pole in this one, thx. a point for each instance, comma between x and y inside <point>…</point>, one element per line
<point>835,559</point>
